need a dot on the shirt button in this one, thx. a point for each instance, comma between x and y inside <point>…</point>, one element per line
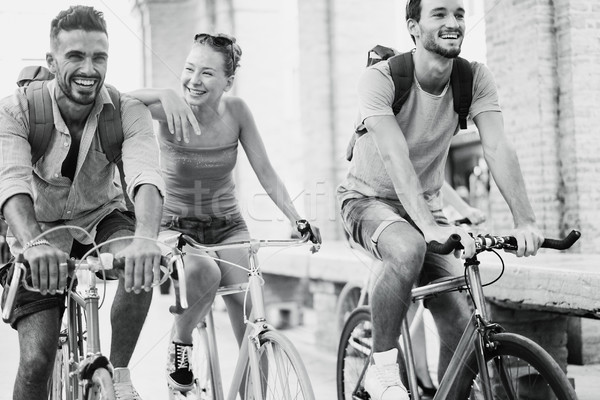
<point>68,212</point>
<point>56,175</point>
<point>66,144</point>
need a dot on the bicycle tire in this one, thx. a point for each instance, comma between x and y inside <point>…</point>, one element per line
<point>354,351</point>
<point>64,383</point>
<point>529,373</point>
<point>347,302</point>
<point>58,386</point>
<point>283,374</point>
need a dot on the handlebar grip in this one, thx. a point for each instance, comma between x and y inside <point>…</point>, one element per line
<point>451,244</point>
<point>564,243</point>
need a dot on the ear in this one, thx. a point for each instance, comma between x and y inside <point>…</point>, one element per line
<point>51,62</point>
<point>229,83</point>
<point>413,28</point>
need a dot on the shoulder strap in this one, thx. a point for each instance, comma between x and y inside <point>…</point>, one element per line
<point>110,129</point>
<point>402,71</point>
<point>41,119</point>
<point>462,89</point>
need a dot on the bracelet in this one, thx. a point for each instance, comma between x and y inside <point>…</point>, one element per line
<point>33,243</point>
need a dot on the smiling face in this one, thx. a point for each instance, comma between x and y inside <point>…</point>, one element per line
<point>441,27</point>
<point>203,79</point>
<point>79,60</point>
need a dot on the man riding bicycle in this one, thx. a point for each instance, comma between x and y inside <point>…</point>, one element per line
<point>390,200</point>
<point>73,184</point>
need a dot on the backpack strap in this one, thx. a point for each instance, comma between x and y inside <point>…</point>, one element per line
<point>41,119</point>
<point>110,129</point>
<point>110,132</point>
<point>402,71</point>
<point>462,89</point>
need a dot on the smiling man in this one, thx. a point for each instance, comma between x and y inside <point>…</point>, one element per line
<point>73,184</point>
<point>390,200</point>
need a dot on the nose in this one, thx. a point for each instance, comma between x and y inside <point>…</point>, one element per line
<point>87,66</point>
<point>452,22</point>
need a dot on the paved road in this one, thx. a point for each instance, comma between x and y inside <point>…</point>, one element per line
<point>148,362</point>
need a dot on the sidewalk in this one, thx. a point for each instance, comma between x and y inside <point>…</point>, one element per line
<point>148,361</point>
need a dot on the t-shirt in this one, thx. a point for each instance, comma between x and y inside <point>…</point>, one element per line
<point>428,123</point>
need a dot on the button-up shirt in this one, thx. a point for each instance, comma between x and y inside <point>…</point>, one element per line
<point>94,192</point>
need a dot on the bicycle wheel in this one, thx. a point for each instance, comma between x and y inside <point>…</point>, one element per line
<point>58,387</point>
<point>282,373</point>
<point>347,302</point>
<point>519,369</point>
<point>353,355</point>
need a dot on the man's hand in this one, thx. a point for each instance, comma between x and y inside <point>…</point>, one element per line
<point>442,233</point>
<point>529,239</point>
<point>180,118</point>
<point>47,273</point>
<point>142,260</point>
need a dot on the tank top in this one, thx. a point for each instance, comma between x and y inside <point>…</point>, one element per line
<point>199,181</point>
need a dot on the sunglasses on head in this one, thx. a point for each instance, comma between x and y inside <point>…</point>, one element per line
<point>216,40</point>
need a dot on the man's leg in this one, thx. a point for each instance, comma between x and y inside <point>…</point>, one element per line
<point>38,341</point>
<point>451,311</point>
<point>128,312</point>
<point>402,249</point>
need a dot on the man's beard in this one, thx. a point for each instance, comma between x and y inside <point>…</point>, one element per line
<point>69,92</point>
<point>431,45</point>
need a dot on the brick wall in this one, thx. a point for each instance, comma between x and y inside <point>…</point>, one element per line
<point>544,58</point>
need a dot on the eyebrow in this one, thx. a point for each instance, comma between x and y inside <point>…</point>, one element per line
<point>438,9</point>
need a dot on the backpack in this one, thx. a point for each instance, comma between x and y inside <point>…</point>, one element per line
<point>402,71</point>
<point>41,120</point>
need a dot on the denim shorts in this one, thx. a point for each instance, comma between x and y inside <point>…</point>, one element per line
<point>365,218</point>
<point>27,303</point>
<point>207,229</point>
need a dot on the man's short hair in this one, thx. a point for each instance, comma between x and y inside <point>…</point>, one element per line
<point>413,11</point>
<point>77,17</point>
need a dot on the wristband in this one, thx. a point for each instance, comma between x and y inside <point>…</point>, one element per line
<point>33,243</point>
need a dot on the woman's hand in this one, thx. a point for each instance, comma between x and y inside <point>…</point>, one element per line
<point>180,117</point>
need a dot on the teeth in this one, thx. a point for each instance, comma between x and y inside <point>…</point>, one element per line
<point>84,82</point>
<point>195,92</point>
<point>450,36</point>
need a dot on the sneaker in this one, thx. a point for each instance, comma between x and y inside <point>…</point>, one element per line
<point>124,389</point>
<point>382,380</point>
<point>179,372</point>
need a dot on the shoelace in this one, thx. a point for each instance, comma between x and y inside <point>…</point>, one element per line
<point>182,357</point>
<point>126,391</point>
<point>388,375</point>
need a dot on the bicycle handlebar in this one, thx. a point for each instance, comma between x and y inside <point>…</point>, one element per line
<point>105,262</point>
<point>489,242</point>
<point>252,243</point>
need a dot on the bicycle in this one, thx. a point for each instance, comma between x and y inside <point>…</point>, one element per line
<point>81,371</point>
<point>487,362</point>
<point>355,294</point>
<point>268,365</point>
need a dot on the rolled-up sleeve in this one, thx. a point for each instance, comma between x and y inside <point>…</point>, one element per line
<point>140,148</point>
<point>15,151</point>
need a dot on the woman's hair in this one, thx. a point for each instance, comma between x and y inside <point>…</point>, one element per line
<point>413,11</point>
<point>77,17</point>
<point>224,44</point>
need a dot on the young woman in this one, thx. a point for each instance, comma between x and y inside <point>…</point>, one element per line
<point>197,168</point>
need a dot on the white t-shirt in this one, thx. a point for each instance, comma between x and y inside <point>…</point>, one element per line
<point>428,123</point>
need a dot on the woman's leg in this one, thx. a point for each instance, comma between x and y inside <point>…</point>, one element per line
<point>231,275</point>
<point>202,277</point>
